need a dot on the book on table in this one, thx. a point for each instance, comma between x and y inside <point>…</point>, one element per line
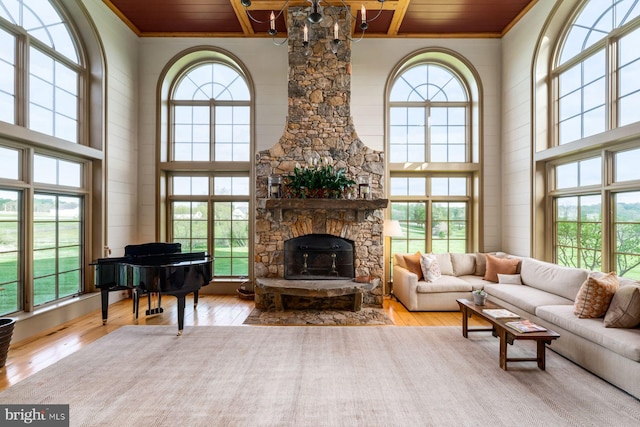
<point>500,313</point>
<point>525,326</point>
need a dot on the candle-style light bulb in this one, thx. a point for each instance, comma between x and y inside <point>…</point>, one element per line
<point>306,33</point>
<point>273,21</point>
<point>335,31</point>
<point>363,12</point>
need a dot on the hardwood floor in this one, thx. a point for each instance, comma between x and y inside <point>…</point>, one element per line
<point>31,355</point>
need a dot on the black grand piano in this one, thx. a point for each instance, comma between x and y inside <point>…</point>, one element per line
<point>160,268</point>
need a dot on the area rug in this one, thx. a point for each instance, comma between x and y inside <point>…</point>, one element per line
<point>310,376</point>
<point>366,316</point>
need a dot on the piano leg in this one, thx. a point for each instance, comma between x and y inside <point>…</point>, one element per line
<point>104,299</point>
<point>195,299</point>
<point>181,303</point>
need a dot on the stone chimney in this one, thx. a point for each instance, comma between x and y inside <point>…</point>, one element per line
<point>319,124</point>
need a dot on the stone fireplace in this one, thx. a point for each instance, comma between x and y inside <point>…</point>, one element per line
<point>319,125</point>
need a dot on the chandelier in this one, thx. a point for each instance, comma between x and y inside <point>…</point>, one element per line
<point>315,14</point>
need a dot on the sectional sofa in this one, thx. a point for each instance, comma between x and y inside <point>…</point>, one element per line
<point>546,295</point>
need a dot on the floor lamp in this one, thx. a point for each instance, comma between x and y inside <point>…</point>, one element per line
<point>391,228</point>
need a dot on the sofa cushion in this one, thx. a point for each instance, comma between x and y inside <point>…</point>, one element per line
<point>463,264</point>
<point>624,310</point>
<point>625,342</point>
<point>476,282</point>
<point>412,263</point>
<point>444,284</point>
<point>430,267</point>
<point>559,280</point>
<point>595,295</point>
<point>525,297</point>
<point>509,279</point>
<point>444,261</point>
<point>500,265</point>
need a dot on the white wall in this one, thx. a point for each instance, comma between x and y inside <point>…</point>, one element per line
<point>121,53</point>
<point>518,47</point>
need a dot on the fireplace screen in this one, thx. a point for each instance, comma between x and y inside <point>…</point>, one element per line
<point>318,256</point>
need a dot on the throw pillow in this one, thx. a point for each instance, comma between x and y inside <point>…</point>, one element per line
<point>509,279</point>
<point>444,261</point>
<point>497,265</point>
<point>413,264</point>
<point>430,267</point>
<point>463,264</point>
<point>624,310</point>
<point>481,264</point>
<point>595,295</point>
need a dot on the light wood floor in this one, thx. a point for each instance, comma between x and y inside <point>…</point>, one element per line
<point>31,355</point>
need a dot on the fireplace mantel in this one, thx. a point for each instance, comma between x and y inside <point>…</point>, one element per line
<point>359,206</point>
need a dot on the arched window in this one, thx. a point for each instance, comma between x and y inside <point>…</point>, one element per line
<point>44,190</point>
<point>587,189</point>
<point>433,144</point>
<point>429,114</point>
<point>211,115</point>
<point>53,64</point>
<point>207,169</point>
<point>598,51</point>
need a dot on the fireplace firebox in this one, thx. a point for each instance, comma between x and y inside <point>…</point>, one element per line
<point>320,257</point>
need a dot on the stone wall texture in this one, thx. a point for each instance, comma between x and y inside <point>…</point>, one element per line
<point>319,125</point>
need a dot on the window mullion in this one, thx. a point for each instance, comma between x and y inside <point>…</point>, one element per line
<point>212,133</point>
<point>22,73</point>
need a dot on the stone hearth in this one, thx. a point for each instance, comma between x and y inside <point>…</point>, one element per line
<point>319,125</point>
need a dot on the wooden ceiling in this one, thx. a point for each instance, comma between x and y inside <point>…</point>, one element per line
<point>398,18</point>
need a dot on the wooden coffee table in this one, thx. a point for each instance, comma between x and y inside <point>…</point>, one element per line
<point>506,334</point>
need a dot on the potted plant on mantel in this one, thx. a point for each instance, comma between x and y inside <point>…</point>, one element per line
<point>320,181</point>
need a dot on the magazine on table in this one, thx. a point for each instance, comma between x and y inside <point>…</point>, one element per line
<point>526,326</point>
<point>500,313</point>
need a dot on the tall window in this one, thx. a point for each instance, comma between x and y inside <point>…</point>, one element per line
<point>43,78</point>
<point>10,251</point>
<point>430,157</point>
<point>210,117</point>
<point>219,221</point>
<point>594,192</point>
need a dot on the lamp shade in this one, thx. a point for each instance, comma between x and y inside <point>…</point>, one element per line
<point>391,228</point>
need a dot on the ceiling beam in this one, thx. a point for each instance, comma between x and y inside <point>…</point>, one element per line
<point>243,18</point>
<point>398,17</point>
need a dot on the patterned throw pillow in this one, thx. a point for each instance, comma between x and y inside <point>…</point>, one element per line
<point>430,267</point>
<point>413,264</point>
<point>595,295</point>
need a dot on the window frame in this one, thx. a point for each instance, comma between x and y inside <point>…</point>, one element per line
<point>168,167</point>
<point>471,168</point>
<point>87,149</point>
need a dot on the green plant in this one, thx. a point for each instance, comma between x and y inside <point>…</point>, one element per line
<point>321,180</point>
<point>480,292</point>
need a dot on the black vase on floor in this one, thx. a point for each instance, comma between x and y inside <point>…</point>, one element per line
<point>6,332</point>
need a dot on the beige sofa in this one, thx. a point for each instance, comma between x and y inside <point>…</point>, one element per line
<point>461,274</point>
<point>546,296</point>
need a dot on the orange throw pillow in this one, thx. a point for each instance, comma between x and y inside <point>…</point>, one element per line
<point>497,266</point>
<point>413,264</point>
<point>595,295</point>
